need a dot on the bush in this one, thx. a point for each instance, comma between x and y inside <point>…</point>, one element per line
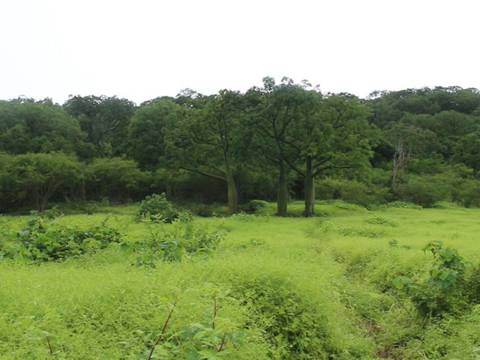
<point>203,210</point>
<point>424,191</point>
<point>443,290</point>
<point>114,178</point>
<point>254,206</point>
<point>37,178</point>
<point>469,193</point>
<point>157,208</point>
<point>41,241</point>
<point>173,244</point>
<point>351,191</point>
<point>291,325</point>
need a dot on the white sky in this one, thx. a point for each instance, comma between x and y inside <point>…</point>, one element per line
<point>141,49</point>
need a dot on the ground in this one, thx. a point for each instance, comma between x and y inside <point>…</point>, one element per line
<point>339,266</point>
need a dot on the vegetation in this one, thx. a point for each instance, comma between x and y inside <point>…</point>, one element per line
<point>350,283</point>
<point>205,265</point>
<point>280,141</point>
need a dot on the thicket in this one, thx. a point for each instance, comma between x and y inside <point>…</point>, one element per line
<point>44,240</point>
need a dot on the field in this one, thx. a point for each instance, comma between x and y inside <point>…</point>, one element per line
<point>291,288</point>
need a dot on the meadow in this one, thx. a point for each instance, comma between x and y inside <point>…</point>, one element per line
<point>325,287</point>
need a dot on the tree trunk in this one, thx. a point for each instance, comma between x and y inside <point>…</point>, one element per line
<point>232,194</point>
<point>282,197</point>
<point>309,189</point>
<point>43,203</point>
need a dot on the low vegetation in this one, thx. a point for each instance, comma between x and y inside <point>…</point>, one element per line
<point>351,283</point>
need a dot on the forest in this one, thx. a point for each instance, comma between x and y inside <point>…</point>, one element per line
<point>277,223</point>
<point>280,142</point>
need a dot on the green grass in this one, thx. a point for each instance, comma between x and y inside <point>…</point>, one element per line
<point>338,266</point>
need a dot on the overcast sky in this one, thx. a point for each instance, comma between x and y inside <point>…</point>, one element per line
<point>141,49</point>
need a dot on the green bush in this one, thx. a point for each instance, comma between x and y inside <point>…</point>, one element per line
<point>35,179</point>
<point>469,193</point>
<point>291,324</point>
<point>254,206</point>
<point>114,178</point>
<point>157,208</point>
<point>173,244</point>
<point>424,190</point>
<point>351,191</point>
<point>443,290</point>
<point>203,210</point>
<point>41,241</point>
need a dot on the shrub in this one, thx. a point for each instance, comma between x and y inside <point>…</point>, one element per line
<point>425,190</point>
<point>291,325</point>
<point>351,191</point>
<point>203,210</point>
<point>469,193</point>
<point>157,208</point>
<point>37,178</point>
<point>173,244</point>
<point>473,286</point>
<point>379,220</point>
<point>114,178</point>
<point>42,241</point>
<point>443,290</point>
<point>254,206</point>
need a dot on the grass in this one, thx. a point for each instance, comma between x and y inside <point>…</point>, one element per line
<point>329,278</point>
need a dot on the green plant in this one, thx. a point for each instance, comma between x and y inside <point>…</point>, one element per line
<point>379,220</point>
<point>41,240</point>
<point>172,244</point>
<point>254,206</point>
<point>443,290</point>
<point>157,208</point>
<point>291,324</point>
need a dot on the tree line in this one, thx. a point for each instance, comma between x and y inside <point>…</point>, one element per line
<point>279,141</point>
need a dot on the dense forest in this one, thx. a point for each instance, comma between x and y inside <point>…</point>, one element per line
<point>278,142</point>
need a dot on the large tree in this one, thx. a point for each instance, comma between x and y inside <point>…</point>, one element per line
<point>38,177</point>
<point>276,113</point>
<point>104,120</point>
<point>332,133</point>
<point>148,128</point>
<point>212,139</point>
<point>37,126</point>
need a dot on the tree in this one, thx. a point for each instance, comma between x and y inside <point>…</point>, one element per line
<point>407,141</point>
<point>332,133</point>
<point>212,140</point>
<point>276,114</point>
<point>148,128</point>
<point>113,178</point>
<point>40,176</point>
<point>37,126</point>
<point>104,120</point>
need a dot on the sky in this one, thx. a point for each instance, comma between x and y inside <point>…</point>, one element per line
<point>141,49</point>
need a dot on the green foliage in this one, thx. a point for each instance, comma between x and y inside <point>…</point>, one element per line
<point>104,120</point>
<point>173,244</point>
<point>157,208</point>
<point>148,130</point>
<point>379,220</point>
<point>41,240</point>
<point>286,288</point>
<point>290,323</point>
<point>351,191</point>
<point>114,178</point>
<point>36,178</point>
<point>254,206</point>
<point>28,126</point>
<point>443,290</point>
<point>424,191</point>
